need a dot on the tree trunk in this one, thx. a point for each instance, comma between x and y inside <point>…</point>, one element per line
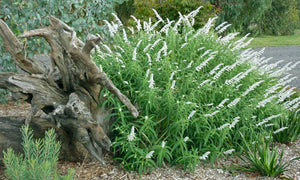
<point>67,89</point>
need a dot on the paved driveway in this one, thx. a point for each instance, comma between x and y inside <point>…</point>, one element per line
<point>288,54</point>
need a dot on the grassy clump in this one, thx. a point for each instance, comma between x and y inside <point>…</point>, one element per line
<point>288,131</point>
<point>39,160</point>
<point>194,90</point>
<point>263,158</point>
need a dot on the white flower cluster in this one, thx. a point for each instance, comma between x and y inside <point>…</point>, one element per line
<point>204,156</point>
<point>138,23</point>
<point>292,103</point>
<point>223,126</point>
<point>268,119</point>
<point>205,29</point>
<point>234,102</point>
<point>228,152</point>
<point>198,68</point>
<point>213,71</point>
<point>163,144</point>
<point>173,84</point>
<point>135,49</point>
<point>283,95</point>
<point>238,77</point>
<point>186,139</point>
<point>220,72</point>
<point>272,90</point>
<point>279,130</point>
<point>204,82</point>
<point>227,38</point>
<point>252,87</point>
<point>151,81</point>
<point>172,75</point>
<point>236,120</point>
<point>166,27</point>
<point>191,114</point>
<point>212,114</point>
<point>149,155</point>
<point>222,103</point>
<point>265,101</point>
<point>131,136</point>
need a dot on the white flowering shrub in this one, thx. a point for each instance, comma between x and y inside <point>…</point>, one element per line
<point>196,92</point>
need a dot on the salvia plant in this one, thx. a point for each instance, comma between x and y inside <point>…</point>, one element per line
<point>39,160</point>
<point>195,90</point>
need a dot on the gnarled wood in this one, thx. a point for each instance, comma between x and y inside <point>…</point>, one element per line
<point>67,88</point>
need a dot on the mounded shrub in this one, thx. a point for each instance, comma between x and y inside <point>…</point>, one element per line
<point>196,91</point>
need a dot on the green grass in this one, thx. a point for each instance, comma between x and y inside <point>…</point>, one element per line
<point>271,41</point>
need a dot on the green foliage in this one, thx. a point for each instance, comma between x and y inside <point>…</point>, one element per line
<point>288,130</point>
<point>24,15</point>
<point>170,8</point>
<point>84,16</point>
<point>194,90</point>
<point>39,160</point>
<point>276,17</point>
<point>6,64</point>
<point>245,15</point>
<point>281,19</point>
<point>125,10</point>
<point>264,159</point>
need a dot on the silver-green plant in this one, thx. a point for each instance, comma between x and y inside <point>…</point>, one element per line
<point>39,160</point>
<point>195,90</point>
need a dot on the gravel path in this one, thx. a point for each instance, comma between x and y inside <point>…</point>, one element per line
<point>288,54</point>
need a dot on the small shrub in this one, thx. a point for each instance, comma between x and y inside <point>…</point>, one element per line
<point>263,159</point>
<point>39,160</point>
<point>194,89</point>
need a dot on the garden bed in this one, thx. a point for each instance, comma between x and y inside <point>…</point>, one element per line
<point>113,170</point>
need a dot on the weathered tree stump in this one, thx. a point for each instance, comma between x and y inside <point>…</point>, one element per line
<point>67,89</point>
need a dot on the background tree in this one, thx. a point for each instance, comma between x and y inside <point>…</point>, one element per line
<point>281,19</point>
<point>276,17</point>
<point>170,8</point>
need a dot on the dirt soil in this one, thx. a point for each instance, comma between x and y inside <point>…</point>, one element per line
<point>113,170</point>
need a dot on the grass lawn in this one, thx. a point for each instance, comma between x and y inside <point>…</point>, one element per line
<point>264,41</point>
